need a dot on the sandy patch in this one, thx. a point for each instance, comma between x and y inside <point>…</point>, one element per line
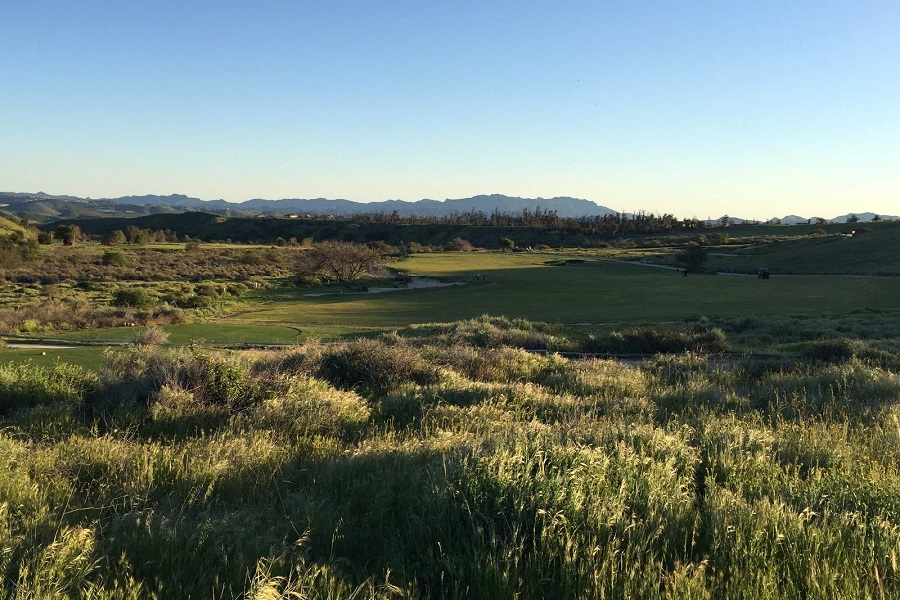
<point>40,346</point>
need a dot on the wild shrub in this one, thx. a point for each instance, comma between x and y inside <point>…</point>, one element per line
<point>30,326</point>
<point>115,259</point>
<point>194,301</point>
<point>208,289</point>
<point>606,379</point>
<point>657,340</point>
<point>851,389</point>
<point>132,297</point>
<point>495,332</point>
<point>745,324</point>
<point>460,245</point>
<point>308,407</point>
<point>373,364</point>
<point>831,350</point>
<point>253,257</point>
<point>218,380</point>
<point>214,378</point>
<point>152,336</point>
<point>176,413</point>
<point>24,385</point>
<point>402,408</point>
<point>501,364</point>
<point>838,350</point>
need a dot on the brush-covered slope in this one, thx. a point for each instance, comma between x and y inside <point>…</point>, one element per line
<point>872,249</point>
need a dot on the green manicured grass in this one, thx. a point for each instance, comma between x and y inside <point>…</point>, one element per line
<point>197,332</point>
<point>869,253</point>
<point>87,357</point>
<point>597,292</point>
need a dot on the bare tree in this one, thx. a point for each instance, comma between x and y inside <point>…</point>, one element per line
<point>338,261</point>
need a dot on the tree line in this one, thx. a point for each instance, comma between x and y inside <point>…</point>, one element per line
<point>608,225</point>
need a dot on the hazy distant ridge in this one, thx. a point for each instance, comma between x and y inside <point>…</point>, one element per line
<point>564,206</point>
<point>42,206</point>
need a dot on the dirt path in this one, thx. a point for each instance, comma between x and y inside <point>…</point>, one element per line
<point>41,346</point>
<point>641,264</point>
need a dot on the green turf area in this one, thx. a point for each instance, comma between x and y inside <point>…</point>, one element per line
<point>597,292</point>
<point>88,357</point>
<point>196,332</point>
<point>872,252</point>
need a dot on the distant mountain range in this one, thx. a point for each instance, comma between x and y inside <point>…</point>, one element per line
<point>43,208</point>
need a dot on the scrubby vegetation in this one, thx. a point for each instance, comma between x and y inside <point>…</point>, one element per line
<point>438,466</point>
<point>466,457</point>
<point>85,287</point>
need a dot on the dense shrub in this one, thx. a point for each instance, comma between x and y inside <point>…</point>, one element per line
<point>152,336</point>
<point>132,297</point>
<point>656,340</point>
<point>832,350</point>
<point>373,364</point>
<point>30,385</point>
<point>494,332</point>
<point>115,259</point>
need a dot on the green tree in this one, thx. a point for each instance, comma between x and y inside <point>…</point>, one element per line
<point>69,234</point>
<point>692,257</point>
<point>136,235</point>
<point>507,244</point>
<point>113,238</point>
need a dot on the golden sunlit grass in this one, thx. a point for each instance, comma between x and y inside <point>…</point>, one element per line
<point>408,468</point>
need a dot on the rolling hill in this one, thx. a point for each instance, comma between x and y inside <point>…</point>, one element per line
<point>872,250</point>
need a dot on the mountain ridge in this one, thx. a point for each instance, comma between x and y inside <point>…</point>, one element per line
<point>43,207</point>
<point>41,204</point>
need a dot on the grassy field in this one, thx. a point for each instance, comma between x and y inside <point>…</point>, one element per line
<point>87,357</point>
<point>596,292</point>
<point>580,291</point>
<point>871,252</point>
<point>381,469</point>
<point>439,459</point>
<point>204,333</point>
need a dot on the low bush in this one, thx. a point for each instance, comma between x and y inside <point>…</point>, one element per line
<point>373,364</point>
<point>152,336</point>
<point>115,259</point>
<point>495,332</point>
<point>656,340</point>
<point>836,350</point>
<point>31,385</point>
<point>132,297</point>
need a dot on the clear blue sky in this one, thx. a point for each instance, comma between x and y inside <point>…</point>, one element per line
<point>753,109</point>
